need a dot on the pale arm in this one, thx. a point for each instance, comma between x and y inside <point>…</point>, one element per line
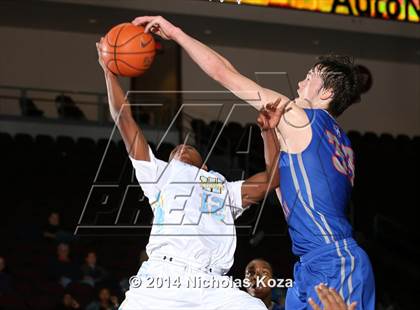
<point>212,63</point>
<point>221,70</point>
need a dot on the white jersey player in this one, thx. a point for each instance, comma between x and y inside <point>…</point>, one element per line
<point>193,237</point>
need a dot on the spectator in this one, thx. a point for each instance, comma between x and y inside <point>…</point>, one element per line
<point>259,272</point>
<point>63,269</point>
<point>28,107</point>
<point>67,108</point>
<point>105,301</point>
<point>68,302</point>
<point>91,272</point>
<point>5,279</point>
<point>52,226</point>
<point>54,231</point>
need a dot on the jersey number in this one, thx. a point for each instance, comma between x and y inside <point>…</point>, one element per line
<point>343,157</point>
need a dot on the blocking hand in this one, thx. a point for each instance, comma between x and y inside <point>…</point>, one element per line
<point>157,25</point>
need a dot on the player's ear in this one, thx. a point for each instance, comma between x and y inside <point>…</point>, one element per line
<point>326,94</point>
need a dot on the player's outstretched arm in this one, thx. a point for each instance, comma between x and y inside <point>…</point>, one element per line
<point>134,140</point>
<point>257,186</point>
<point>212,63</point>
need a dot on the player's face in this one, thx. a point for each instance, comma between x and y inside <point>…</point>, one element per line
<point>187,154</point>
<point>258,269</point>
<point>310,87</point>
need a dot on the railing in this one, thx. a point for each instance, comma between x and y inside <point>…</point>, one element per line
<point>93,105</point>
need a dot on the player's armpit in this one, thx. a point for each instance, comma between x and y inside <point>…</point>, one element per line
<point>246,89</point>
<point>294,129</point>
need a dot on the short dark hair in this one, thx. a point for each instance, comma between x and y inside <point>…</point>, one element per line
<point>263,261</point>
<point>340,74</point>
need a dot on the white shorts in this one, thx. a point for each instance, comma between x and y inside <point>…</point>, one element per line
<point>163,285</point>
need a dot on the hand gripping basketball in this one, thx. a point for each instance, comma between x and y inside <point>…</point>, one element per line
<point>100,59</point>
<point>127,50</point>
<point>157,25</point>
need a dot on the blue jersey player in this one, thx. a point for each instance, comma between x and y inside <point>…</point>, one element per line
<point>316,166</point>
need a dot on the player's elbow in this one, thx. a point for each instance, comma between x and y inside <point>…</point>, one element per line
<point>262,190</point>
<point>222,74</point>
<point>121,114</point>
<point>218,74</point>
<point>274,181</point>
<point>273,184</point>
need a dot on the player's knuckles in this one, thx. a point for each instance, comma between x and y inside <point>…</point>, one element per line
<point>313,305</point>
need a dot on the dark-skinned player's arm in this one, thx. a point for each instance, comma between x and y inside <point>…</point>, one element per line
<point>213,64</point>
<point>259,185</point>
<point>119,107</point>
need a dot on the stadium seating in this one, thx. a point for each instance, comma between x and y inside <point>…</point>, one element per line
<point>42,173</point>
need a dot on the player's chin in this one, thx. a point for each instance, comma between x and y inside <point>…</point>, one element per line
<point>256,291</point>
<point>251,291</point>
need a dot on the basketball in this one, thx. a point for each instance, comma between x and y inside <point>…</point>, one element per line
<point>127,50</point>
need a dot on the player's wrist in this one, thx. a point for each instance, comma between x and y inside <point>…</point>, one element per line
<point>264,131</point>
<point>177,34</point>
<point>108,73</point>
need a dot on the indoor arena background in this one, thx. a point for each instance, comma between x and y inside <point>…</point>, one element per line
<point>67,183</point>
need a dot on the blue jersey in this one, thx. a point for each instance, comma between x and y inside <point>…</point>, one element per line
<point>315,185</point>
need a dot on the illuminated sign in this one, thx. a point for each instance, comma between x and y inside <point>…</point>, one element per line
<point>402,10</point>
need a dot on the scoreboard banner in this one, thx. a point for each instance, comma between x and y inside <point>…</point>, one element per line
<point>400,10</point>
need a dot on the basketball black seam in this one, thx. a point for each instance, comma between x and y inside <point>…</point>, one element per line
<point>115,49</point>
<point>139,34</point>
<point>132,66</point>
<point>112,60</point>
<point>107,38</point>
<point>127,53</point>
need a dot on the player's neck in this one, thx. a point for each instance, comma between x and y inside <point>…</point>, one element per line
<point>305,103</point>
<point>267,301</point>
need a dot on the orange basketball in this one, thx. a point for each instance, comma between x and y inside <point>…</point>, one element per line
<point>127,50</point>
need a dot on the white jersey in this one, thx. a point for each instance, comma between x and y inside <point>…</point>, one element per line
<point>194,211</point>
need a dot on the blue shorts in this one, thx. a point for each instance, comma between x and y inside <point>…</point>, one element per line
<point>342,265</point>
